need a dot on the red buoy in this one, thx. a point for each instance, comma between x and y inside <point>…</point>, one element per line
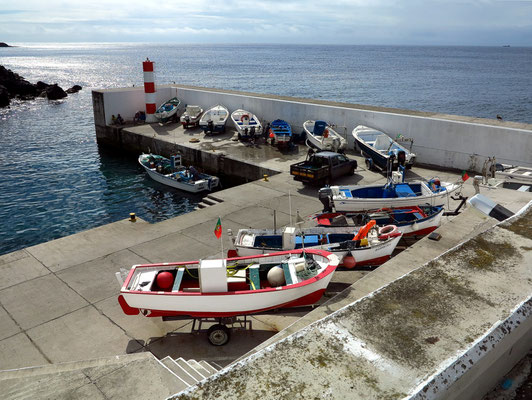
<point>165,280</point>
<point>349,261</point>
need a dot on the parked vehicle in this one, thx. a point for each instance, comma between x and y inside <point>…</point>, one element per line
<point>411,221</point>
<point>191,116</point>
<point>381,150</point>
<point>371,197</point>
<point>368,247</point>
<point>227,287</point>
<point>168,109</point>
<point>280,133</point>
<point>323,167</point>
<point>322,136</point>
<point>213,120</point>
<point>170,172</point>
<point>247,124</point>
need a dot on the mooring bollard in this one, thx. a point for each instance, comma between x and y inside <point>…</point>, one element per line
<point>132,217</point>
<point>265,178</point>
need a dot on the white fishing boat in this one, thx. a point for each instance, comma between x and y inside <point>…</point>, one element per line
<point>411,221</point>
<point>322,136</point>
<point>381,149</point>
<point>191,116</point>
<point>246,123</point>
<point>364,246</point>
<point>213,120</point>
<point>373,197</point>
<point>227,287</point>
<point>170,172</point>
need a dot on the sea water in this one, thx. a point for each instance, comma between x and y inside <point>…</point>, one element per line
<point>56,181</point>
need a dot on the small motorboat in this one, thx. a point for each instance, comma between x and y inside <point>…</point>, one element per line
<point>191,116</point>
<point>247,124</point>
<point>381,150</point>
<point>280,133</point>
<point>227,287</point>
<point>170,172</point>
<point>213,120</point>
<point>168,109</point>
<point>391,195</point>
<point>368,245</point>
<point>411,221</point>
<point>322,136</point>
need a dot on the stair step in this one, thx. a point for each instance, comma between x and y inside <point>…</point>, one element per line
<point>208,366</point>
<point>179,371</point>
<point>202,205</point>
<point>199,368</point>
<point>208,201</point>
<point>190,369</point>
<point>213,197</point>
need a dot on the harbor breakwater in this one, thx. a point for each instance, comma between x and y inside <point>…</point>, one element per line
<point>443,141</point>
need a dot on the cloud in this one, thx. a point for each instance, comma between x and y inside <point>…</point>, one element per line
<point>271,21</point>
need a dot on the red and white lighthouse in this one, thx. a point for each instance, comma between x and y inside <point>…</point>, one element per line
<point>149,89</point>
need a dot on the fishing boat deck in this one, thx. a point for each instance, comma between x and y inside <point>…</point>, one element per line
<point>58,300</point>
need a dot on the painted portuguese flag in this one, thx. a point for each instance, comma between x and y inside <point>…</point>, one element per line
<point>218,228</point>
<point>465,177</point>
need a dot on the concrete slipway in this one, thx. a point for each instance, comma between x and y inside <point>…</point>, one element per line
<point>58,299</point>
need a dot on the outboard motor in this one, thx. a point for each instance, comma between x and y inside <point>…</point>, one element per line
<point>324,195</point>
<point>210,126</point>
<point>401,158</point>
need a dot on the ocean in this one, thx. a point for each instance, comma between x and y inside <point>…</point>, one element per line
<point>56,181</point>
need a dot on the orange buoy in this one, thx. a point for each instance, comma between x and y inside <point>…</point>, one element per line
<point>349,261</point>
<point>363,232</point>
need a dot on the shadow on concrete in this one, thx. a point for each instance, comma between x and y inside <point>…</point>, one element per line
<point>196,346</point>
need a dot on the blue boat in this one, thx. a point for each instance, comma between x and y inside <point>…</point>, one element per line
<point>280,133</point>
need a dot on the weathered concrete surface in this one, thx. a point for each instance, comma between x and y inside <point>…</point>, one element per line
<point>417,336</point>
<point>93,379</point>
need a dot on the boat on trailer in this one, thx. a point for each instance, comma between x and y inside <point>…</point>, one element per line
<point>322,136</point>
<point>171,172</point>
<point>213,120</point>
<point>368,247</point>
<point>168,109</point>
<point>280,133</point>
<point>191,116</point>
<point>411,221</point>
<point>372,197</point>
<point>246,123</point>
<point>227,287</point>
<point>381,150</point>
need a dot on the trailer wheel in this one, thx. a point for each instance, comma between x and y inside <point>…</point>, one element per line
<point>218,335</point>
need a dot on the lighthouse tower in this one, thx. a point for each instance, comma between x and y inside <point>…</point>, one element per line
<point>149,89</point>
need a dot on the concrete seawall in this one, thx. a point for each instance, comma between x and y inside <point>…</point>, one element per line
<point>440,140</point>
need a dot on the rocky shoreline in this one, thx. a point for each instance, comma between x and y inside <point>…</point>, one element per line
<point>12,85</point>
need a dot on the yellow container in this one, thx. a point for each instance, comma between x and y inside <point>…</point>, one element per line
<point>364,242</point>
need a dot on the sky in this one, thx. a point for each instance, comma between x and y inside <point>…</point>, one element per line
<point>357,22</point>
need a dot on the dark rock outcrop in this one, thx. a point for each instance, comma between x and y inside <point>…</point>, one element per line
<point>2,44</point>
<point>74,89</point>
<point>4,96</point>
<point>20,88</point>
<point>54,92</point>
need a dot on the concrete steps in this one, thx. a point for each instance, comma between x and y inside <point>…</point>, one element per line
<point>120,377</point>
<point>209,200</point>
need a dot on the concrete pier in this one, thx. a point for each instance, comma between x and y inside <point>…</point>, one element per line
<point>58,299</point>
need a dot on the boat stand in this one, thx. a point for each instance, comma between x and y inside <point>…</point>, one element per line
<point>457,210</point>
<point>218,332</point>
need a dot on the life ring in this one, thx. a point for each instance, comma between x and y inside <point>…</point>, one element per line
<point>363,232</point>
<point>388,231</point>
<point>243,117</point>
